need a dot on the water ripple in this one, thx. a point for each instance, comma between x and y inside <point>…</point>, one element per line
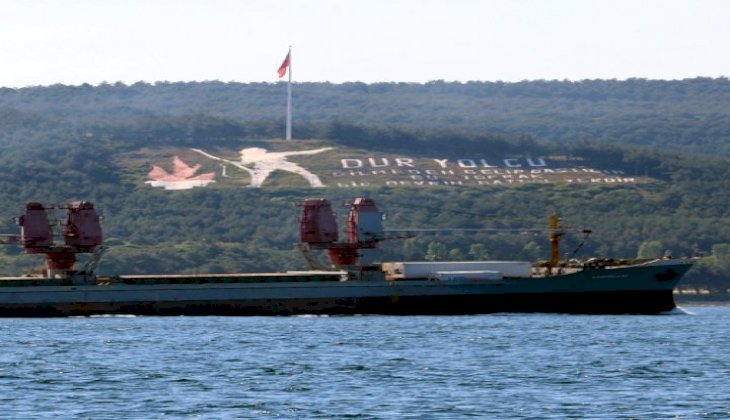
<point>493,366</point>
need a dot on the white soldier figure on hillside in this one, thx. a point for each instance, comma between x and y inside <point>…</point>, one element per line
<point>264,163</point>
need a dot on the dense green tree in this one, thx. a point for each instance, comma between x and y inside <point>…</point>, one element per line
<point>651,249</point>
<point>455,254</point>
<point>436,251</point>
<point>532,251</point>
<point>478,252</point>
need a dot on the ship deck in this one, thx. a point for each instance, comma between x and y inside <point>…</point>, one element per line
<point>155,279</point>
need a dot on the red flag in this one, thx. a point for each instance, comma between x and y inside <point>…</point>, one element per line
<point>284,66</point>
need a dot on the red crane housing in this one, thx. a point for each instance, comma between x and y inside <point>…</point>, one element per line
<point>81,234</point>
<point>318,229</point>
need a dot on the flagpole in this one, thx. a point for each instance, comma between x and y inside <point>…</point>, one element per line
<point>288,100</point>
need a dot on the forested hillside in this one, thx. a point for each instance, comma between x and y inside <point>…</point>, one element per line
<point>685,115</point>
<point>63,143</point>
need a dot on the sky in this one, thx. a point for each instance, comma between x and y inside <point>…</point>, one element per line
<point>45,42</point>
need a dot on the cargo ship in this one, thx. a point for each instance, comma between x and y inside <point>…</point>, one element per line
<point>342,286</point>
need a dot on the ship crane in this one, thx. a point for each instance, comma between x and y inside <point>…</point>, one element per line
<point>318,230</point>
<point>80,234</point>
<point>364,230</point>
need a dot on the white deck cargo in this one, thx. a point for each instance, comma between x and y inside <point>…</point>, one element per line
<point>468,275</point>
<point>426,269</point>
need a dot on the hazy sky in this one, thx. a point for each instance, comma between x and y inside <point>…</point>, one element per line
<point>92,41</point>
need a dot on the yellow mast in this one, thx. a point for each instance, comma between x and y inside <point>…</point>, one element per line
<point>555,235</point>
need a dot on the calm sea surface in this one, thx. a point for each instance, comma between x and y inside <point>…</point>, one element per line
<point>488,366</point>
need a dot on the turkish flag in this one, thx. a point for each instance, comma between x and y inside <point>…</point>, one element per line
<point>284,66</point>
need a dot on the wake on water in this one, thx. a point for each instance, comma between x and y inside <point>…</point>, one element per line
<point>678,310</point>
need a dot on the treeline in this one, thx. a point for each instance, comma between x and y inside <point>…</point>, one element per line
<point>685,115</point>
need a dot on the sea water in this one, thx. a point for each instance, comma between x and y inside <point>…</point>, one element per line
<point>439,367</point>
